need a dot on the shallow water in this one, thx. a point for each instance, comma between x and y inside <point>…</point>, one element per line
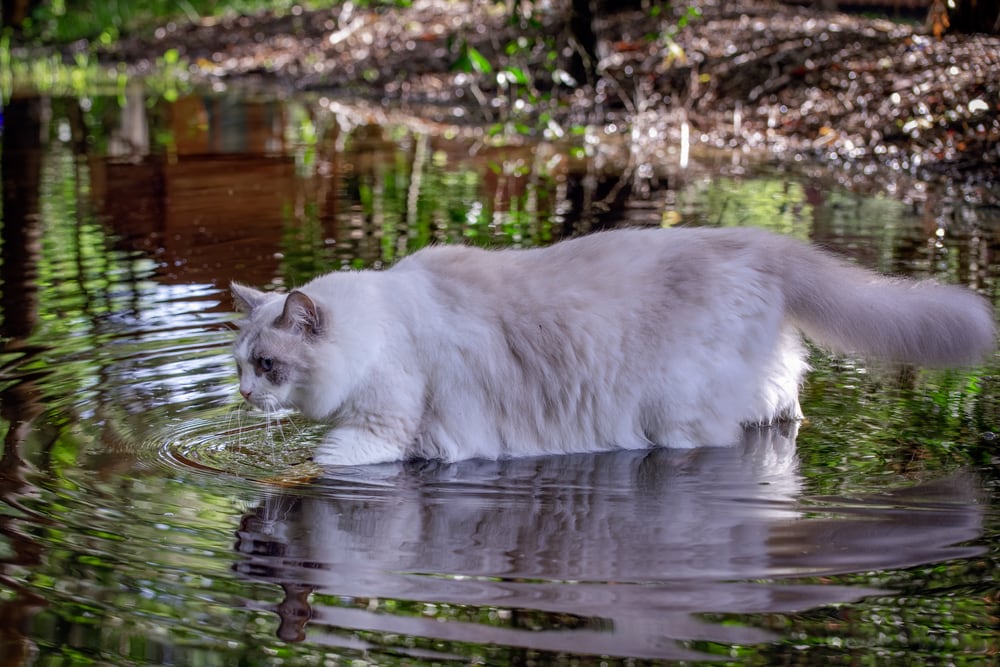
<point>148,519</point>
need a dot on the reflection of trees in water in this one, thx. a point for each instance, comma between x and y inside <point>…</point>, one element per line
<point>24,267</point>
<point>61,293</point>
<point>348,191</point>
<point>937,235</point>
<point>355,194</point>
<point>19,409</point>
<point>22,168</point>
<point>413,189</point>
<point>21,153</point>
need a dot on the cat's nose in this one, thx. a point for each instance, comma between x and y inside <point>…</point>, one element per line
<point>245,393</point>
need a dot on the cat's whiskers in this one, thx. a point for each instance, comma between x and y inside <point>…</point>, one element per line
<point>240,412</point>
<point>274,447</point>
<point>273,425</point>
<point>298,429</point>
<point>229,421</point>
<point>243,430</point>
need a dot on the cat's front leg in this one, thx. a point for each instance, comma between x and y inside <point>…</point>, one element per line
<point>353,446</point>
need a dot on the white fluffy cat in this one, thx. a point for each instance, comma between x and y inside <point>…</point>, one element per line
<point>622,339</point>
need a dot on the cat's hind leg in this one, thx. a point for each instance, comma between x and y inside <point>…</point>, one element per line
<point>776,398</point>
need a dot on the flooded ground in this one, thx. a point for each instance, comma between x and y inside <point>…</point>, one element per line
<point>141,522</point>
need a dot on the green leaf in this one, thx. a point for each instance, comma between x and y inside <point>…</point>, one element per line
<point>472,60</point>
<point>479,61</point>
<point>517,75</point>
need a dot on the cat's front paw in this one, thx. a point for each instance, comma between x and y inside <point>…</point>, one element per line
<point>355,447</point>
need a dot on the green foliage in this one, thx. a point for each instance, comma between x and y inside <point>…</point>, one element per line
<point>471,60</point>
<point>85,76</point>
<point>528,76</point>
<point>769,204</point>
<point>105,21</point>
<point>407,200</point>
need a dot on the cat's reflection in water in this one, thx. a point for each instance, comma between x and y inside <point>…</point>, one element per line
<point>613,553</point>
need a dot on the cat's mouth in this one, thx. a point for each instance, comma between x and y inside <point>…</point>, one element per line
<point>265,402</point>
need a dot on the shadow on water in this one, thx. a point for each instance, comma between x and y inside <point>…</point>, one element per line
<point>611,554</point>
<point>126,471</point>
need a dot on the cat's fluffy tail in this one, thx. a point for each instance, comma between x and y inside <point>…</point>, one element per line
<point>851,310</point>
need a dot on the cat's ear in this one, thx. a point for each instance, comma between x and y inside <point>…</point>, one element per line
<point>301,313</point>
<point>246,298</point>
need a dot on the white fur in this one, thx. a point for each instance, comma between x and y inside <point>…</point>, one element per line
<point>624,339</point>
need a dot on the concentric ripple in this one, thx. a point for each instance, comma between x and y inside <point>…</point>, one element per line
<point>248,444</point>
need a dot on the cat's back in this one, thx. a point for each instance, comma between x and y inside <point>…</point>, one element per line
<point>601,259</point>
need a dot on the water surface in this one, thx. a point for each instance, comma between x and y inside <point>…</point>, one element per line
<point>142,519</point>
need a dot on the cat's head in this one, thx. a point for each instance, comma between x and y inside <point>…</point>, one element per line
<point>273,350</point>
<point>309,353</point>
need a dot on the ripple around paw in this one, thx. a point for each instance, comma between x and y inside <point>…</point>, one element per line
<point>241,443</point>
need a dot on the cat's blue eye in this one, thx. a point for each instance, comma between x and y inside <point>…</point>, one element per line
<point>266,364</point>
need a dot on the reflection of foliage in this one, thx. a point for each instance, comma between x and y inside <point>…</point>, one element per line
<point>84,76</point>
<point>412,196</point>
<point>51,75</point>
<point>929,614</point>
<point>75,264</point>
<point>776,204</point>
<point>869,428</point>
<point>137,565</point>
